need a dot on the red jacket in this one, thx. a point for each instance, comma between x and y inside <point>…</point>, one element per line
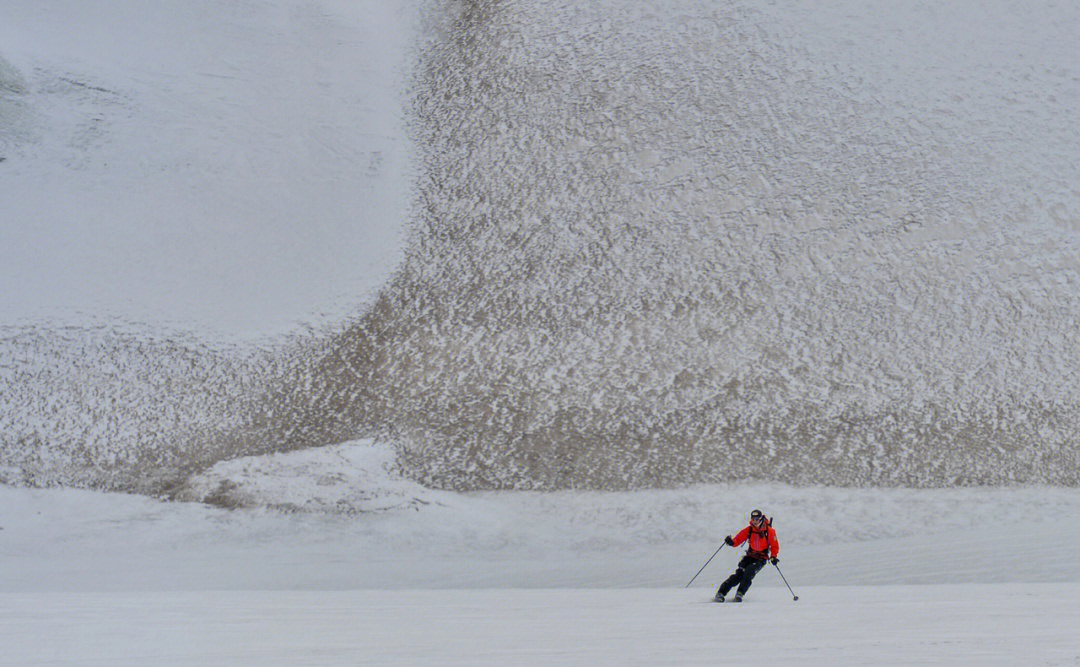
<point>763,543</point>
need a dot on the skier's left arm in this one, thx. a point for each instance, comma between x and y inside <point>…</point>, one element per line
<point>774,544</point>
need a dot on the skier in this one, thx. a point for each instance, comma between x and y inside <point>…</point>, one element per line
<point>762,548</point>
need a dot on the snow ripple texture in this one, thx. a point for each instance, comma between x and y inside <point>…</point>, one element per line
<point>654,246</point>
<point>692,244</point>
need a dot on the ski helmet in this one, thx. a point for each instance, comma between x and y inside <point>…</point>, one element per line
<point>757,515</point>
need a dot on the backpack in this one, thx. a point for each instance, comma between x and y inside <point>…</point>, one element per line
<point>768,543</point>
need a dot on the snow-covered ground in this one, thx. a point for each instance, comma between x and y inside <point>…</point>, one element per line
<point>235,168</point>
<point>232,168</point>
<point>341,518</point>
<point>888,625</point>
<point>412,576</point>
<point>853,228</point>
<point>178,178</point>
<point>330,558</point>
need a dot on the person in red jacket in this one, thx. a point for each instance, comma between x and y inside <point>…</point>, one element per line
<point>762,548</point>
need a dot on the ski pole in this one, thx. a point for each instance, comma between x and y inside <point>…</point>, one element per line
<point>706,563</point>
<point>793,596</point>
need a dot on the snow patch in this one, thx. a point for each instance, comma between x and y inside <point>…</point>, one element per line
<point>351,478</point>
<point>236,168</point>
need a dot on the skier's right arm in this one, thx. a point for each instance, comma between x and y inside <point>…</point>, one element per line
<point>741,536</point>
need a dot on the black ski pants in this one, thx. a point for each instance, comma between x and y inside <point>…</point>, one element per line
<point>743,576</point>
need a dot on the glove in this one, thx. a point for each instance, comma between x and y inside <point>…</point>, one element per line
<point>774,560</point>
<point>728,541</point>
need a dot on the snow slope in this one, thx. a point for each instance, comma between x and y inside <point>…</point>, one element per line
<point>186,189</point>
<point>809,242</point>
<point>414,576</point>
<point>344,518</point>
<point>232,169</point>
<point>237,169</point>
<point>818,242</point>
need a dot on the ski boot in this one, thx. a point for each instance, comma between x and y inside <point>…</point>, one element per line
<point>737,598</point>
